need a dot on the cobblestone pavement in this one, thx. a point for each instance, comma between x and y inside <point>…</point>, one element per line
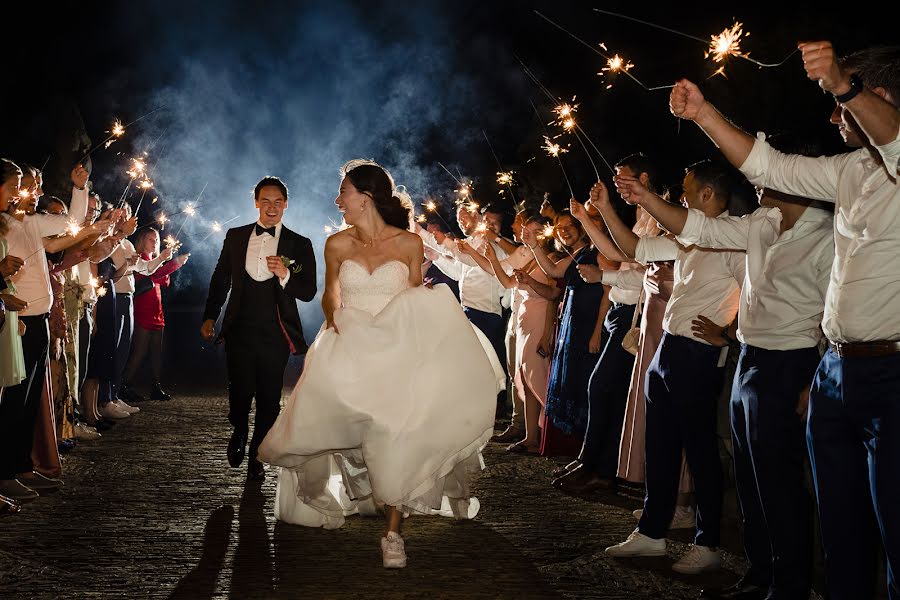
<point>153,511</point>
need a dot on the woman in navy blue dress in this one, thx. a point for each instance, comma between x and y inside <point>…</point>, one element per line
<point>578,339</point>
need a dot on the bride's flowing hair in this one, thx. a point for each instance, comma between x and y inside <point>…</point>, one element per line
<point>393,203</point>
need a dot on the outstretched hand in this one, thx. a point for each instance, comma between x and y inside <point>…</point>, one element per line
<point>821,65</point>
<point>578,210</point>
<point>686,100</point>
<point>631,189</point>
<point>590,273</point>
<point>529,237</point>
<point>599,195</point>
<point>208,330</point>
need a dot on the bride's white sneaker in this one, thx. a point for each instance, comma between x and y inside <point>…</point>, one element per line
<point>393,552</point>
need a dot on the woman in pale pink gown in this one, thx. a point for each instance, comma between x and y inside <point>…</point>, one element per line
<point>536,302</point>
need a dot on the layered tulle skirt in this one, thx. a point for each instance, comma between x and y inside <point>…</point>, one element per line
<point>392,410</point>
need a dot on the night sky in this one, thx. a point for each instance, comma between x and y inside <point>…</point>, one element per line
<point>242,89</point>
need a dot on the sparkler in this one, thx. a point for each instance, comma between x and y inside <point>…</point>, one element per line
<point>472,206</point>
<point>503,177</point>
<point>217,227</point>
<point>565,118</point>
<point>550,146</point>
<point>189,210</point>
<point>162,219</point>
<point>455,178</point>
<point>431,206</point>
<point>73,228</point>
<point>719,46</point>
<point>481,227</point>
<point>608,58</point>
<point>116,131</point>
<point>615,64</point>
<point>420,219</point>
<point>554,99</point>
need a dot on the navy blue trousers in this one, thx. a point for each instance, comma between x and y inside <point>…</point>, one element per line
<point>682,386</point>
<point>769,458</point>
<point>608,395</point>
<point>493,327</point>
<point>854,447</point>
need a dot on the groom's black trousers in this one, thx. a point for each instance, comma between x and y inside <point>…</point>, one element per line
<point>256,351</point>
<point>256,358</point>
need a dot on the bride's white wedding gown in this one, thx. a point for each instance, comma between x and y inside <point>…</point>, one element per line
<point>395,409</point>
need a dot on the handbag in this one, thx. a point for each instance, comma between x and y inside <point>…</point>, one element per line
<point>632,338</point>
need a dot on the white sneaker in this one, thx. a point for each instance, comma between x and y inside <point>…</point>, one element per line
<point>111,411</point>
<point>127,407</point>
<point>697,560</point>
<point>86,432</point>
<point>393,553</point>
<point>683,518</point>
<point>638,544</point>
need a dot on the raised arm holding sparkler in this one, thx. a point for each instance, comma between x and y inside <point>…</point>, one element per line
<point>554,269</point>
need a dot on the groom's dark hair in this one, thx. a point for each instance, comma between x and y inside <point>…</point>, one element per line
<point>273,181</point>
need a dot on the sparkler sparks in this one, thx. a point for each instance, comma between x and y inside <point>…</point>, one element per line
<point>727,43</point>
<point>465,189</point>
<point>146,184</point>
<point>547,232</point>
<point>472,206</point>
<point>171,242</point>
<point>431,206</point>
<point>552,148</point>
<point>422,219</point>
<point>117,129</point>
<point>162,219</point>
<point>216,227</point>
<point>505,177</point>
<point>481,227</point>
<point>615,64</point>
<point>190,210</point>
<point>73,228</point>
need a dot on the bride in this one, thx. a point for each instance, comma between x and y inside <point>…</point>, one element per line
<point>398,391</point>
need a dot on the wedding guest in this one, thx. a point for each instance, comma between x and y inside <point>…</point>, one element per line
<point>578,338</point>
<point>149,320</point>
<point>852,407</point>
<point>12,361</point>
<point>534,320</point>
<point>127,262</point>
<point>686,376</point>
<point>18,411</point>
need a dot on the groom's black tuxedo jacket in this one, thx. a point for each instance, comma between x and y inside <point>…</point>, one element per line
<point>230,273</point>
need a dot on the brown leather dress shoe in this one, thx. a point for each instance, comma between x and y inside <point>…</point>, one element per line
<point>511,434</point>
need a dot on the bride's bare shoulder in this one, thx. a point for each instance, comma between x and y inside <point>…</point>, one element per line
<point>339,242</point>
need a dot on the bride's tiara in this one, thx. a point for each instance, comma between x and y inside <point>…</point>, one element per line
<point>359,162</point>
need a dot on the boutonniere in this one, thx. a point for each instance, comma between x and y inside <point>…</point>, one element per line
<point>291,264</point>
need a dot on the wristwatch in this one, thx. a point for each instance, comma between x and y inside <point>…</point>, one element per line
<point>856,86</point>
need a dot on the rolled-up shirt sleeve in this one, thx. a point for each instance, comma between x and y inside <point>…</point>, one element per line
<point>650,249</point>
<point>890,154</point>
<point>816,178</point>
<point>725,232</point>
<point>625,279</point>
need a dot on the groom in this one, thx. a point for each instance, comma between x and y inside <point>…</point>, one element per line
<point>268,268</point>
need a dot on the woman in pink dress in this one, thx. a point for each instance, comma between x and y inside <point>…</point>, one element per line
<point>537,296</point>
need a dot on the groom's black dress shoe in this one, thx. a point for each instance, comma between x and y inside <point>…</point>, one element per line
<point>236,447</point>
<point>255,470</point>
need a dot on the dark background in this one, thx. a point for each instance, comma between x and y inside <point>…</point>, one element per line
<point>227,92</point>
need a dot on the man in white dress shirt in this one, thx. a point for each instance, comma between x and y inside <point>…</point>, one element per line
<point>854,402</point>
<point>19,408</point>
<point>686,376</point>
<point>789,252</point>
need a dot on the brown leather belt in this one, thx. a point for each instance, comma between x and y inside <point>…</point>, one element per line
<point>864,349</point>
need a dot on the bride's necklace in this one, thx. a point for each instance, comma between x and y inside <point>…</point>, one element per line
<point>371,242</point>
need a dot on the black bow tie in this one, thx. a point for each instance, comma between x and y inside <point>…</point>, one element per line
<point>261,230</point>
